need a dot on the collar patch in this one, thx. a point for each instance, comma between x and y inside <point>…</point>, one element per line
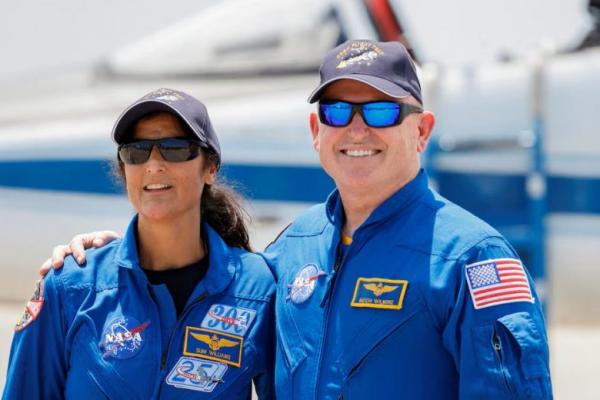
<point>228,319</point>
<point>194,374</point>
<point>213,345</point>
<point>123,338</point>
<point>379,293</point>
<point>304,283</point>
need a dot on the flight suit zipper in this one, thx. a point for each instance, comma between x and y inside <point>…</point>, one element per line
<point>165,354</point>
<point>331,283</point>
<point>339,259</point>
<point>497,345</point>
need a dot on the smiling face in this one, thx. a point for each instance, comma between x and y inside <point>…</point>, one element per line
<point>361,159</point>
<point>162,190</point>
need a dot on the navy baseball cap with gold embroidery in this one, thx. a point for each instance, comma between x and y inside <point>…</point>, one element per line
<point>191,111</point>
<point>386,66</point>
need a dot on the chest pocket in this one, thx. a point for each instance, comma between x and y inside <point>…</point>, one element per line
<point>221,345</point>
<point>95,371</point>
<point>372,328</point>
<point>289,356</point>
<point>298,314</point>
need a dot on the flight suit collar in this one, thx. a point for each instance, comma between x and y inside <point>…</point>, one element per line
<point>127,255</point>
<point>221,269</point>
<point>394,205</point>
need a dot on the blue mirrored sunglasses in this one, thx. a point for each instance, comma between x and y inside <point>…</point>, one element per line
<point>376,114</point>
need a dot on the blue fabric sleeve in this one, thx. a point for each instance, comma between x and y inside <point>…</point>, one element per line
<point>37,365</point>
<point>265,383</point>
<point>501,351</point>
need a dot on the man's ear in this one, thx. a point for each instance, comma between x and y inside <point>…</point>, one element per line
<point>314,130</point>
<point>426,125</point>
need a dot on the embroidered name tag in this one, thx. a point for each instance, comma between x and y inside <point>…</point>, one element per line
<point>379,293</point>
<point>213,345</point>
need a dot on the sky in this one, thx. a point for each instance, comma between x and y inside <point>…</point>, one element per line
<point>40,36</point>
<point>46,36</point>
<point>470,31</point>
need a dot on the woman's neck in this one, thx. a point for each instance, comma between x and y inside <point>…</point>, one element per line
<point>170,244</point>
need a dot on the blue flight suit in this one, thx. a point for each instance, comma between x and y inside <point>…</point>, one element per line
<point>393,315</point>
<point>105,332</point>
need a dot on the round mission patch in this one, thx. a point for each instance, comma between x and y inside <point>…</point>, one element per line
<point>33,307</point>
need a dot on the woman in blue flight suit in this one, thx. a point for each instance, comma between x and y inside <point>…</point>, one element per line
<point>179,307</point>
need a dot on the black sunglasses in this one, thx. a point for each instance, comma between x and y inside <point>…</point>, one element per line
<point>173,149</point>
<point>376,114</point>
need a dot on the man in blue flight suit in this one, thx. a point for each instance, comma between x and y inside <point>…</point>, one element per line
<point>388,290</point>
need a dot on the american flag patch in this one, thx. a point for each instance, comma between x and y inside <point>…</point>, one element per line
<point>498,281</point>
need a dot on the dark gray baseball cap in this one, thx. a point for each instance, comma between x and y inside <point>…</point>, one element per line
<point>191,111</point>
<point>386,66</point>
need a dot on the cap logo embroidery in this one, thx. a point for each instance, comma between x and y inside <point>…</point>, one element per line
<point>358,53</point>
<point>164,94</point>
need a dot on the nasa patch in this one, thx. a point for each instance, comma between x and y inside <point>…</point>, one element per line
<point>304,283</point>
<point>123,338</point>
<point>228,319</point>
<point>196,374</point>
<point>33,307</point>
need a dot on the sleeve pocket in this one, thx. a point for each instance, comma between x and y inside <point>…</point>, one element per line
<point>531,345</point>
<point>524,353</point>
<point>512,353</point>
